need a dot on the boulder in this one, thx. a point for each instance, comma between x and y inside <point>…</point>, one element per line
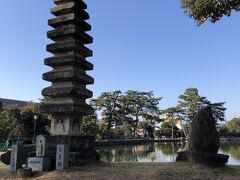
<point>205,158</point>
<point>203,141</point>
<point>203,134</point>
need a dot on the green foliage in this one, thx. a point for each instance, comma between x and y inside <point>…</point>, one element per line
<point>191,102</point>
<point>109,105</point>
<point>126,110</point>
<point>168,130</point>
<point>8,122</point>
<point>27,121</point>
<point>234,126</point>
<point>223,131</point>
<point>214,10</point>
<point>218,110</point>
<point>90,126</point>
<point>102,132</point>
<point>118,133</point>
<point>138,105</point>
<point>16,123</point>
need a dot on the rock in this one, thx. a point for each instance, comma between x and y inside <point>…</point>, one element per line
<point>203,134</point>
<point>5,158</point>
<point>203,141</point>
<point>206,158</point>
<point>25,172</point>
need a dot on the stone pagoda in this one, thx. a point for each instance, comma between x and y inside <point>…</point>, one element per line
<point>68,93</point>
<point>66,97</point>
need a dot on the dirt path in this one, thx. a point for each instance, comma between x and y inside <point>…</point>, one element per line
<point>138,171</point>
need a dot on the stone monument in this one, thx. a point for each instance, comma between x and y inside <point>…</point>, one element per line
<point>68,93</point>
<point>62,157</point>
<point>16,160</point>
<point>203,141</point>
<point>66,97</point>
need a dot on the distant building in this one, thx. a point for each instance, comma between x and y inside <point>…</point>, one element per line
<point>13,104</point>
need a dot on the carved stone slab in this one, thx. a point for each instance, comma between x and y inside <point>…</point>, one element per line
<point>16,157</point>
<point>40,146</point>
<point>62,159</point>
<point>40,164</point>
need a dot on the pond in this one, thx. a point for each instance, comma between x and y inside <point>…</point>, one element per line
<point>159,152</point>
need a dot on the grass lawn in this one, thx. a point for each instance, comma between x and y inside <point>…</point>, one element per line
<point>136,171</point>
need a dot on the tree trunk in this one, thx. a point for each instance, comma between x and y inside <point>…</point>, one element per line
<point>108,129</point>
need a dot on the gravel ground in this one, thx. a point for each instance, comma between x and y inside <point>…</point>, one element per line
<point>136,171</point>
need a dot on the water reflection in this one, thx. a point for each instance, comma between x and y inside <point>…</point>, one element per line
<point>159,152</point>
<point>233,150</point>
<point>154,152</point>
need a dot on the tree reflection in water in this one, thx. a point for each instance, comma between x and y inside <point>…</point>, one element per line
<point>157,152</point>
<point>140,153</point>
<point>232,149</point>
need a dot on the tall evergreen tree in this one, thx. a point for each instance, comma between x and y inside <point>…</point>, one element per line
<point>218,110</point>
<point>109,105</point>
<point>138,105</point>
<point>191,102</point>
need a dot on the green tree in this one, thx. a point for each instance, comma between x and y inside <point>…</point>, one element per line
<point>223,131</point>
<point>218,110</point>
<point>102,132</point>
<point>234,126</point>
<point>127,129</point>
<point>214,10</point>
<point>138,105</point>
<point>191,102</point>
<point>8,123</point>
<point>172,116</point>
<point>109,105</point>
<point>90,126</point>
<point>27,121</point>
<point>166,130</point>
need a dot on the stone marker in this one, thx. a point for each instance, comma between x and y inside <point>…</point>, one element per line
<point>203,141</point>
<point>40,164</point>
<point>16,160</point>
<point>40,146</point>
<point>62,157</point>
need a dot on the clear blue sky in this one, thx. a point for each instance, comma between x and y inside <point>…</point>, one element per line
<point>139,45</point>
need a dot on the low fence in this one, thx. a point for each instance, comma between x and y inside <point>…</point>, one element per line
<point>4,146</point>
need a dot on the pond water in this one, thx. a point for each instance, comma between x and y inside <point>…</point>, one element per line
<point>159,152</point>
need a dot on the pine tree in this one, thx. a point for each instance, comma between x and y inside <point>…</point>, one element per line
<point>214,10</point>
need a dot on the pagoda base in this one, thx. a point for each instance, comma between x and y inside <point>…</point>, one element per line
<point>80,149</point>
